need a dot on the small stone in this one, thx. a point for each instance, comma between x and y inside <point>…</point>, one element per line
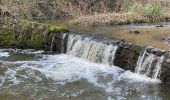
<point>134,32</point>
<point>160,26</point>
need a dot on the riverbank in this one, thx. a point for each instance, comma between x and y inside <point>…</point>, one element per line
<point>29,35</point>
<point>86,12</point>
<point>116,19</point>
<point>137,12</point>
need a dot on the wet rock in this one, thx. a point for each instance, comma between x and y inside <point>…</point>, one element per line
<point>126,58</point>
<point>56,45</point>
<point>159,25</point>
<point>155,51</point>
<point>165,69</point>
<point>59,42</point>
<point>134,32</point>
<point>64,43</point>
<point>30,35</point>
<point>125,44</point>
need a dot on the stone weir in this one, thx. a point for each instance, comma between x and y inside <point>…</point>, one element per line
<point>140,59</point>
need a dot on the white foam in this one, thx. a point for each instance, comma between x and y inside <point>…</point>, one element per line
<point>134,77</point>
<point>4,54</point>
<point>64,68</point>
<point>80,66</point>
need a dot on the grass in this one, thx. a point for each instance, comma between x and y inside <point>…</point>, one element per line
<point>90,12</point>
<point>135,13</point>
<point>153,11</point>
<point>115,19</point>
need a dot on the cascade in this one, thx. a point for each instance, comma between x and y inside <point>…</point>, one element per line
<point>52,44</point>
<point>149,64</point>
<point>90,49</point>
<point>102,51</point>
<point>59,43</point>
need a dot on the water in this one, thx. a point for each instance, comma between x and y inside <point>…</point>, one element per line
<point>103,52</point>
<point>41,76</point>
<point>91,49</point>
<point>149,34</point>
<point>149,64</point>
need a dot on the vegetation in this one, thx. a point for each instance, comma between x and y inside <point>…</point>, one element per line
<point>83,10</point>
<point>29,35</point>
<point>128,12</point>
<point>151,11</point>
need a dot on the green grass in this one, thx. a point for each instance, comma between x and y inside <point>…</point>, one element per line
<point>151,11</point>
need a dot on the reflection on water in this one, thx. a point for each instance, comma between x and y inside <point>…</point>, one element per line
<point>149,34</point>
<point>62,77</point>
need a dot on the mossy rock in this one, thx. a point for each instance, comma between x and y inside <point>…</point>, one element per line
<point>56,29</point>
<point>35,25</point>
<point>29,35</point>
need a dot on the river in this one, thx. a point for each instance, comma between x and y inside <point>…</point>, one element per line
<point>36,75</point>
<point>150,34</point>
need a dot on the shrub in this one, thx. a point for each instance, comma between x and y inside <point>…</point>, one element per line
<point>152,10</point>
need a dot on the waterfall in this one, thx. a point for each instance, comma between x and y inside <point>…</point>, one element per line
<point>149,64</point>
<point>59,43</point>
<point>101,50</point>
<point>157,70</point>
<point>52,44</point>
<point>91,49</point>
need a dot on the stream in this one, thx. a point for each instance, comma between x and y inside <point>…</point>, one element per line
<point>151,34</point>
<point>86,71</point>
<point>36,75</point>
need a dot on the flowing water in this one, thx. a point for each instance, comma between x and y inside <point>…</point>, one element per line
<point>35,75</point>
<point>94,51</point>
<point>149,34</point>
<point>149,64</point>
<point>85,72</point>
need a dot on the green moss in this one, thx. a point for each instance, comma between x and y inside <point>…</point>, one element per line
<point>7,37</point>
<point>30,35</point>
<point>23,24</point>
<point>35,41</point>
<point>57,29</point>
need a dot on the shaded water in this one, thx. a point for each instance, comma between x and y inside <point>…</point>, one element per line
<point>40,76</point>
<point>149,34</point>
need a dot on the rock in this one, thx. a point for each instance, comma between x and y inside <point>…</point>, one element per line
<point>134,32</point>
<point>126,58</point>
<point>59,43</point>
<point>155,51</point>
<point>159,25</point>
<point>30,35</point>
<point>165,69</point>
